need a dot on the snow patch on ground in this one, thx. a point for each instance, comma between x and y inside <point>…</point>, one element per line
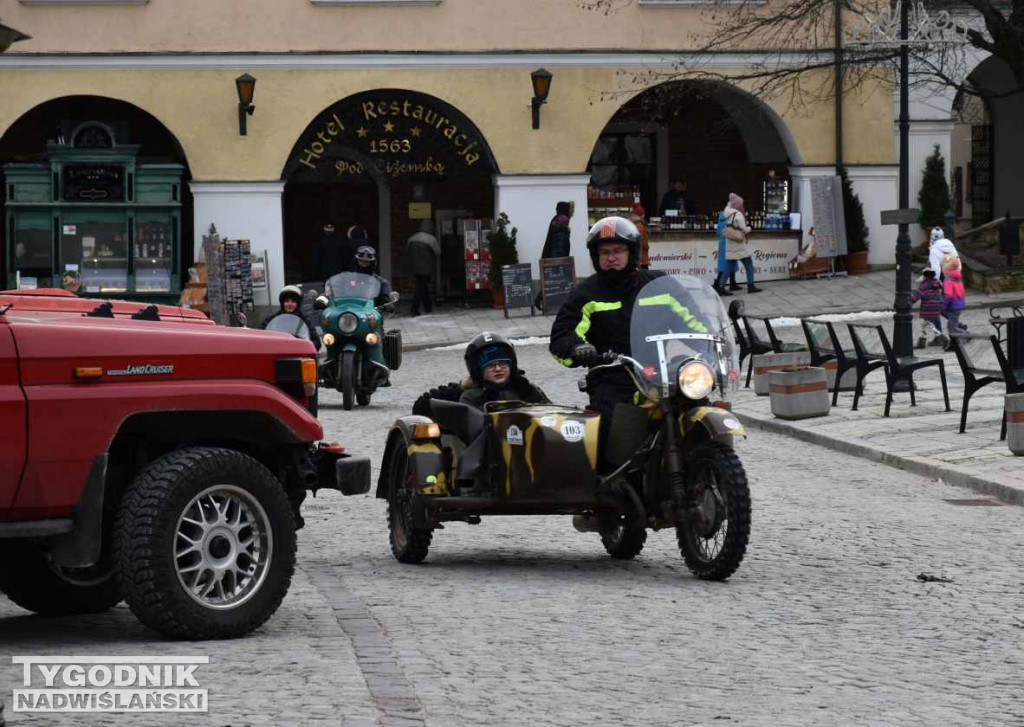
<point>528,341</point>
<point>832,317</point>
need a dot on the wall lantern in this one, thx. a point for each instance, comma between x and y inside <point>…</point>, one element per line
<point>541,81</point>
<point>246,86</point>
<point>9,36</point>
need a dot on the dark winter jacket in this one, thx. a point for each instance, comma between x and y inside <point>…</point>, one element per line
<point>334,254</point>
<point>556,244</point>
<point>518,388</point>
<point>598,312</point>
<point>930,295</point>
<point>423,249</point>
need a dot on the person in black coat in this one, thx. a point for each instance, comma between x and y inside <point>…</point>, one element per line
<point>331,255</point>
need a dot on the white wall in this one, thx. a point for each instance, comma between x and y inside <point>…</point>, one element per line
<point>877,187</point>
<point>244,211</point>
<point>529,201</point>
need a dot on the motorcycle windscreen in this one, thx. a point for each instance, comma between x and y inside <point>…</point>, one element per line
<point>289,323</point>
<point>681,304</point>
<point>352,285</point>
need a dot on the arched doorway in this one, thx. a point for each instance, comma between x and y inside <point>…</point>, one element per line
<point>711,139</point>
<point>388,160</point>
<point>118,187</point>
<point>711,136</point>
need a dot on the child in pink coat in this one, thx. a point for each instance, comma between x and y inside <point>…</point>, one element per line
<point>954,295</point>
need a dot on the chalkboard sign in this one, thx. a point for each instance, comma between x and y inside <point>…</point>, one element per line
<point>517,281</point>
<point>557,279</point>
<point>829,216</point>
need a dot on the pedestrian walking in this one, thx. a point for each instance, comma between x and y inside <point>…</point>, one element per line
<point>722,263</point>
<point>637,217</point>
<point>329,257</point>
<point>736,247</point>
<point>939,247</point>
<point>424,251</point>
<point>557,241</point>
<point>954,295</point>
<point>929,292</point>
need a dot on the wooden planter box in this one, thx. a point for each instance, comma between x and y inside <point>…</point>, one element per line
<point>799,394</point>
<point>765,363</point>
<point>1015,423</point>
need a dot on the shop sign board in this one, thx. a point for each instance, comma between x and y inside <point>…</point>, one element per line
<point>699,257</point>
<point>557,279</point>
<point>391,133</point>
<point>517,282</point>
<point>419,210</point>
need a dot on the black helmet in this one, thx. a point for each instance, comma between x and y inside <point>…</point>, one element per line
<point>615,229</point>
<point>487,348</point>
<point>290,291</point>
<point>366,255</point>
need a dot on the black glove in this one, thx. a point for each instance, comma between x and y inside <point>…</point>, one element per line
<point>585,355</point>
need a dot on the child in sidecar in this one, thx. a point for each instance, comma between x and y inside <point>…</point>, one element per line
<point>494,373</point>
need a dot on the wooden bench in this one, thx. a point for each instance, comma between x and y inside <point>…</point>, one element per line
<point>897,368</point>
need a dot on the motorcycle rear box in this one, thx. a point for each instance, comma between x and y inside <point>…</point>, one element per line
<point>545,453</point>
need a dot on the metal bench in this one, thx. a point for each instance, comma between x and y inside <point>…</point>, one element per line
<point>897,368</point>
<point>975,376</point>
<point>824,346</point>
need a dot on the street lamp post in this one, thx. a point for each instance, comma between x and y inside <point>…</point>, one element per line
<point>902,320</point>
<point>879,32</point>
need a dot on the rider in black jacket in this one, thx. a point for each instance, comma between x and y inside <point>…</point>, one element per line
<point>595,319</point>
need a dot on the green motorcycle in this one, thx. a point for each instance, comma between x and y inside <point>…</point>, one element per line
<point>360,354</point>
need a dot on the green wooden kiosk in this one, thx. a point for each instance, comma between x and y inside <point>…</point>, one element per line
<point>91,214</point>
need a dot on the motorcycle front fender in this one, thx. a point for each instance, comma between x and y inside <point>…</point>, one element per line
<point>709,422</point>
<point>350,346</point>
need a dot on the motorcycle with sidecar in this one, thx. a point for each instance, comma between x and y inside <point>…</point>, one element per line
<point>667,460</point>
<point>360,354</point>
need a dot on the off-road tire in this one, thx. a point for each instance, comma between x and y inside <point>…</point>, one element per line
<point>624,542</point>
<point>449,392</point>
<point>347,378</point>
<point>714,457</point>
<point>30,579</point>
<point>146,536</point>
<point>408,544</point>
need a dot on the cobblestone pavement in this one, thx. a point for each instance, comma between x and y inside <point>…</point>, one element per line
<point>524,621</point>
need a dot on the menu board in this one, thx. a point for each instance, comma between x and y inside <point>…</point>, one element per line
<point>829,216</point>
<point>517,282</point>
<point>557,279</point>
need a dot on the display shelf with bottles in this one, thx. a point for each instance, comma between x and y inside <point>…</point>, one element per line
<point>92,215</point>
<point>775,194</point>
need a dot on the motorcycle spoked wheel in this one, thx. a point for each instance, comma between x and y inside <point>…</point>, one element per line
<point>713,551</point>
<point>408,544</point>
<point>347,378</point>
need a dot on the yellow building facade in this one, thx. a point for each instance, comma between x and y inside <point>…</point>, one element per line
<point>363,108</point>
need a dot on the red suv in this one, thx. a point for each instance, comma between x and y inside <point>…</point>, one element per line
<point>150,456</point>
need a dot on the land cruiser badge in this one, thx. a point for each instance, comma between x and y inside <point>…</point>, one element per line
<point>142,370</point>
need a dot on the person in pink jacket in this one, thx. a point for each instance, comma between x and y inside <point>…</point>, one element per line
<point>954,295</point>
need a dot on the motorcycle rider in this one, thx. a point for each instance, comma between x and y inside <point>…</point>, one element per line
<point>290,299</point>
<point>366,263</point>
<point>494,374</point>
<point>595,319</point>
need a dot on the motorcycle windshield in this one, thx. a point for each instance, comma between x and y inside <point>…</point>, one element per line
<point>686,317</point>
<point>352,285</point>
<point>290,324</point>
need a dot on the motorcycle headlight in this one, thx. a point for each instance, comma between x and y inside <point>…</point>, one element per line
<point>696,379</point>
<point>348,323</point>
<point>328,339</point>
<point>372,339</point>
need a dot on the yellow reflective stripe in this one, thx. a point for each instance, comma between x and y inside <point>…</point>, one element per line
<point>564,361</point>
<point>681,310</point>
<point>594,306</point>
